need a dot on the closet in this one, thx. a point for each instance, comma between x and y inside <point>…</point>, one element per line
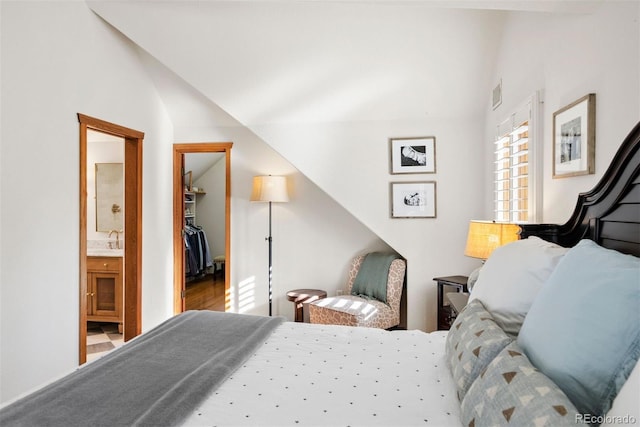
<point>201,176</point>
<point>198,258</point>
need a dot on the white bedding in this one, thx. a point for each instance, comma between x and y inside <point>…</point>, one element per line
<point>324,375</point>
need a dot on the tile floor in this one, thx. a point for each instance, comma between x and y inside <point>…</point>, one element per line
<point>102,338</point>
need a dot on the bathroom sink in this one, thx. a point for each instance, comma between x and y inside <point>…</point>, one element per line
<point>105,252</point>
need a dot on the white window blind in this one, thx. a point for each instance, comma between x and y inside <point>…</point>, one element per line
<point>514,185</point>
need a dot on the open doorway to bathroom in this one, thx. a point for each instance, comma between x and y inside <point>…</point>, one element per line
<point>110,275</point>
<point>105,246</point>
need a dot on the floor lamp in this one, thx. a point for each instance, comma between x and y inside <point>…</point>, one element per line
<point>270,189</point>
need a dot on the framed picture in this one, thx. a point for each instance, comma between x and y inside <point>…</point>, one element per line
<point>413,199</point>
<point>574,138</point>
<point>413,155</point>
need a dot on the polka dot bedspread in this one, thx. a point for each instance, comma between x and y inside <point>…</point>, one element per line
<point>326,375</point>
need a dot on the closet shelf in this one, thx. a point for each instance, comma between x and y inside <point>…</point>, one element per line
<point>190,205</point>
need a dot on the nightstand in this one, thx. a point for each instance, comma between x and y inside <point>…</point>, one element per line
<point>446,314</point>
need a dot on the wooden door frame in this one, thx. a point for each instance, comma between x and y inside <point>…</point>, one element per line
<point>179,150</point>
<point>132,225</point>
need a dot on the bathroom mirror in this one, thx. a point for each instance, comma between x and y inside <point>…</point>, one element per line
<point>109,196</point>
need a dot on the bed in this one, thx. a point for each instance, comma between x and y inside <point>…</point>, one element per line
<point>491,368</point>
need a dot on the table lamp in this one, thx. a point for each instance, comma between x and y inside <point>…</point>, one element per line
<point>483,238</point>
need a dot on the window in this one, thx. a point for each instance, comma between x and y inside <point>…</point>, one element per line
<point>514,167</point>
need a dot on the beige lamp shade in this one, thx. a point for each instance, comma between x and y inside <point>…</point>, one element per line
<point>269,188</point>
<point>485,236</point>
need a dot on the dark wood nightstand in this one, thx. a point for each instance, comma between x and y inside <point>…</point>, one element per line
<point>446,315</point>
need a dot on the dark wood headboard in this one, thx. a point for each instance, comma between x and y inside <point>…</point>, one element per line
<point>610,213</point>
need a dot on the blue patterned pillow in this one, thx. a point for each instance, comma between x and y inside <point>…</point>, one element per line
<point>511,391</point>
<point>473,341</point>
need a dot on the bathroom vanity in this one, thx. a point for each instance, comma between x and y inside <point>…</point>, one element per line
<point>105,289</point>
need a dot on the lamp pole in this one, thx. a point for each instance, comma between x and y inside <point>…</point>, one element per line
<point>270,240</point>
<point>269,189</point>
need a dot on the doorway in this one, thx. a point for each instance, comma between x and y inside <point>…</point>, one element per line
<point>132,240</point>
<point>188,193</point>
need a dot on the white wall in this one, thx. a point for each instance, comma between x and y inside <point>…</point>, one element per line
<point>333,97</point>
<point>58,59</point>
<point>350,161</point>
<point>569,56</point>
<point>345,153</point>
<point>313,237</point>
<point>98,72</point>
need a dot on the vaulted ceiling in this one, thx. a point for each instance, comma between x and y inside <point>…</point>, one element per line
<point>300,62</point>
<point>320,61</point>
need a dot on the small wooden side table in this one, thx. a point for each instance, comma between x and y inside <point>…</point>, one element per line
<point>304,296</point>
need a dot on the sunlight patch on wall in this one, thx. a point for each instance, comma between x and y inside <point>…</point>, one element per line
<point>246,295</point>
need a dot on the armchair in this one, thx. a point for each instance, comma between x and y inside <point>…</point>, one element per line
<point>354,310</point>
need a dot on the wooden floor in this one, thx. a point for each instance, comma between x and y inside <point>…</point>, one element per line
<point>206,294</point>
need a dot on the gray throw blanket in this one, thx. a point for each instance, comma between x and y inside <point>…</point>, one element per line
<point>158,379</point>
<point>371,280</point>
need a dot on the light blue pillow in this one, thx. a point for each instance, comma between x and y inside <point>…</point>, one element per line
<point>583,329</point>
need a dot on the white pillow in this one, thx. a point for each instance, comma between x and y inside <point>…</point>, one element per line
<point>511,278</point>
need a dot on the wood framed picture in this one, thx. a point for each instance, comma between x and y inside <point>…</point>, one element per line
<point>413,155</point>
<point>413,199</point>
<point>574,138</point>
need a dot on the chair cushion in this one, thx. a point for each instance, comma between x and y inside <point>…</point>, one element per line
<point>352,310</point>
<point>472,342</point>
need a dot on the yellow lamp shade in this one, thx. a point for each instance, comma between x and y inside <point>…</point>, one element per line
<point>485,236</point>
